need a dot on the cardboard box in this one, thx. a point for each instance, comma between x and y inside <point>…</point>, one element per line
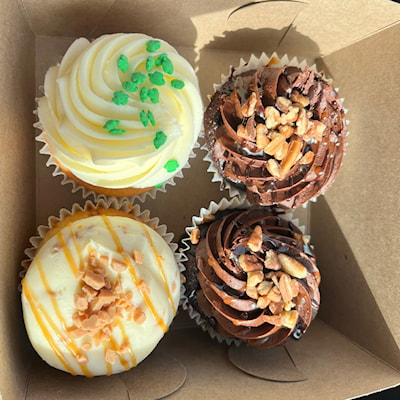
<point>353,346</point>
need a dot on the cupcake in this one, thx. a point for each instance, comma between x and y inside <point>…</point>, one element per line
<point>120,115</point>
<point>100,290</point>
<point>276,132</point>
<point>251,277</point>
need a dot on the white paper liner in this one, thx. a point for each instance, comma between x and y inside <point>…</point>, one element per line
<point>205,213</point>
<point>255,63</point>
<point>86,192</point>
<point>142,215</point>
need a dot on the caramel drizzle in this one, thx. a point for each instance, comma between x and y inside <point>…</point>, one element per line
<point>161,269</point>
<point>67,340</point>
<point>125,340</point>
<point>132,271</point>
<point>38,311</point>
<point>114,346</point>
<point>67,253</point>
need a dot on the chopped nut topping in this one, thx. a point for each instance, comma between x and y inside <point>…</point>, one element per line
<point>263,302</point>
<point>256,239</point>
<point>139,316</point>
<point>251,291</point>
<point>249,263</point>
<point>291,156</point>
<point>262,139</point>
<point>272,117</point>
<point>302,123</point>
<point>94,279</point>
<point>111,356</point>
<point>286,130</point>
<point>274,144</point>
<point>272,261</point>
<point>288,126</point>
<point>275,169</point>
<point>138,257</point>
<point>264,287</point>
<point>254,278</point>
<point>292,266</point>
<point>296,97</point>
<point>291,116</point>
<point>249,106</point>
<point>276,307</point>
<point>195,236</point>
<point>283,104</point>
<point>285,287</point>
<point>100,302</point>
<point>289,318</point>
<point>274,295</point>
<point>307,158</point>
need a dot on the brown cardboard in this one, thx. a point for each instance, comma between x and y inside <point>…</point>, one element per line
<point>366,192</point>
<point>354,227</point>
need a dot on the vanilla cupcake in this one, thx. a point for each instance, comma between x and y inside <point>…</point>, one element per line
<point>276,131</point>
<point>120,115</point>
<point>100,290</point>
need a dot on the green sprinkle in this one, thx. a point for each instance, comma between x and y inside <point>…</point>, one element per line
<point>111,124</point>
<point>123,63</point>
<point>177,84</point>
<point>143,94</point>
<point>157,78</point>
<point>117,131</point>
<point>159,184</point>
<point>153,45</point>
<point>151,118</point>
<point>150,63</point>
<point>167,66</point>
<point>129,86</point>
<point>120,98</point>
<point>171,165</point>
<point>153,95</point>
<point>138,78</point>
<point>144,118</point>
<point>159,139</point>
<point>160,58</point>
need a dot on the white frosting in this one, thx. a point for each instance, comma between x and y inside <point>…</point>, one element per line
<point>52,282</point>
<point>78,102</point>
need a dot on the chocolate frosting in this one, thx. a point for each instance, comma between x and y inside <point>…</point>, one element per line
<point>222,290</point>
<point>240,158</point>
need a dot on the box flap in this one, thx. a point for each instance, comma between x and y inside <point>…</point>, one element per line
<point>335,369</point>
<point>365,197</point>
<point>240,22</point>
<point>347,301</point>
<point>17,179</point>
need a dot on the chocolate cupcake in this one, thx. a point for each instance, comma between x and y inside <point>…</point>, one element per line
<point>251,276</point>
<point>277,132</point>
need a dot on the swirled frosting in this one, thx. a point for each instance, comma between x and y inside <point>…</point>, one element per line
<point>278,133</point>
<point>253,277</point>
<point>99,294</point>
<point>121,111</point>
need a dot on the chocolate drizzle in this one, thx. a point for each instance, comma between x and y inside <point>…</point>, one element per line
<point>239,159</point>
<point>218,286</point>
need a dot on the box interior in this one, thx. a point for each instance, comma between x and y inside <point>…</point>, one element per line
<point>353,346</point>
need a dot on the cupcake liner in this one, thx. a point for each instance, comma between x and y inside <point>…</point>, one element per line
<point>203,217</point>
<point>254,63</point>
<point>142,215</point>
<point>86,192</point>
